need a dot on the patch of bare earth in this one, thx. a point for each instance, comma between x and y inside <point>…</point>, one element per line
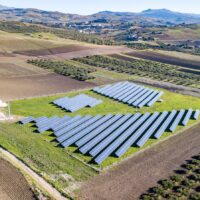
<point>13,185</point>
<point>38,85</point>
<point>73,51</point>
<point>136,175</point>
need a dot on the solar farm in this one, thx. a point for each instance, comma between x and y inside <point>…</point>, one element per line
<point>130,93</point>
<point>100,136</point>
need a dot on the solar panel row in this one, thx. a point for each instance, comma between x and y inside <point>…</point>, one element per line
<point>101,136</point>
<point>76,103</point>
<point>130,93</point>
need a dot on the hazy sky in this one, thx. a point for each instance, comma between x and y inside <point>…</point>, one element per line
<point>93,6</point>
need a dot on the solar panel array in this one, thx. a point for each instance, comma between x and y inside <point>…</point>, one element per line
<point>76,103</point>
<point>103,135</point>
<point>130,93</point>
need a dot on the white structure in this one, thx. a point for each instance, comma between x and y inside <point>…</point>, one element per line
<point>3,115</point>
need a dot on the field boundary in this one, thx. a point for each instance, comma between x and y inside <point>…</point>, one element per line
<point>45,186</point>
<point>149,147</point>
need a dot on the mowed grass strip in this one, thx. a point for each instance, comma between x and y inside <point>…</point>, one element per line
<point>40,153</point>
<point>43,106</point>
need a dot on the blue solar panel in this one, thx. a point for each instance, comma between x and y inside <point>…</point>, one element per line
<point>149,98</point>
<point>66,123</point>
<point>107,90</point>
<point>27,120</point>
<point>109,132</point>
<point>142,98</point>
<point>165,125</point>
<point>124,91</point>
<point>136,135</point>
<point>60,122</point>
<point>120,137</point>
<point>128,98</point>
<point>177,120</point>
<point>111,92</point>
<point>151,129</point>
<point>71,136</point>
<point>187,117</point>
<point>119,89</point>
<point>37,120</point>
<point>150,103</point>
<point>137,96</point>
<point>70,127</point>
<point>89,144</point>
<point>196,114</point>
<point>127,94</point>
<point>80,139</point>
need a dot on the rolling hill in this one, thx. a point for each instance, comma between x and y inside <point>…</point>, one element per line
<point>40,16</point>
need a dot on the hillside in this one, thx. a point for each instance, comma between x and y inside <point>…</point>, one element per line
<point>48,17</point>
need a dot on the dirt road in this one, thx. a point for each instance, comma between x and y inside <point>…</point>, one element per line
<point>40,181</point>
<point>133,177</point>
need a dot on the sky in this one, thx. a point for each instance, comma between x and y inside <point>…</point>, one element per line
<point>93,6</point>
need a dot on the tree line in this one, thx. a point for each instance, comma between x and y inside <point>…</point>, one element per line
<point>64,68</point>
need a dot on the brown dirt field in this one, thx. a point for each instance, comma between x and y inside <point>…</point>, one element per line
<point>165,59</point>
<point>38,85</point>
<point>75,51</point>
<point>52,51</point>
<point>136,175</point>
<point>9,69</point>
<point>13,185</point>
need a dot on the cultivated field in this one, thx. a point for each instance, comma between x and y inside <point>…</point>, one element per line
<point>158,57</point>
<point>12,183</point>
<point>135,176</point>
<point>38,85</point>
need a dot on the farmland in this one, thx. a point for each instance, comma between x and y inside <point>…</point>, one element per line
<point>142,68</point>
<point>13,184</point>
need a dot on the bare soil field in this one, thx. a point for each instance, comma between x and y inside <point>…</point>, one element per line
<point>74,51</point>
<point>52,51</point>
<point>12,183</point>
<point>136,175</point>
<point>154,56</point>
<point>38,85</point>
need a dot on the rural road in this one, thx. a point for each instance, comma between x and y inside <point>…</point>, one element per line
<point>39,180</point>
<point>136,175</point>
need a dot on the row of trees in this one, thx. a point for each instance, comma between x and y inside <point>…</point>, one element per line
<point>166,47</point>
<point>64,68</point>
<point>158,71</point>
<point>184,184</point>
<point>19,27</point>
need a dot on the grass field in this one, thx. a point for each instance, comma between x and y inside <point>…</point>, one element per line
<point>54,164</point>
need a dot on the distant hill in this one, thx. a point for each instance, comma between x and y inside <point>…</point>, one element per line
<point>170,16</point>
<point>4,7</point>
<point>49,17</point>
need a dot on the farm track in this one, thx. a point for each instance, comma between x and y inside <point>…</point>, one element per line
<point>12,183</point>
<point>153,56</point>
<point>136,175</point>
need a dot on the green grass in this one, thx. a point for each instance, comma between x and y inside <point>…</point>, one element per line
<point>42,106</point>
<point>41,155</point>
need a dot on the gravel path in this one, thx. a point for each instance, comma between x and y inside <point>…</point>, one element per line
<point>136,175</point>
